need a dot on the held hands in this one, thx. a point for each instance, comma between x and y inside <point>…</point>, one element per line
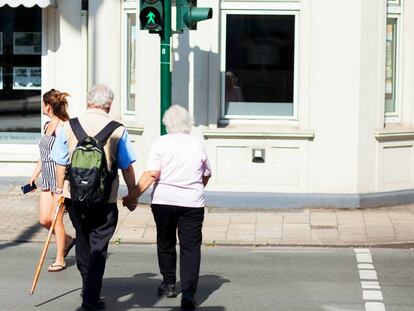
<point>130,202</point>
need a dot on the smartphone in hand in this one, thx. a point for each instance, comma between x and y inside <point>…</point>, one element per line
<point>28,188</point>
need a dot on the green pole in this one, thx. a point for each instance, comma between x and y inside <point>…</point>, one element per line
<point>165,63</point>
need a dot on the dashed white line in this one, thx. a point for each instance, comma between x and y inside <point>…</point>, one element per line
<point>364,258</point>
<point>374,306</point>
<point>370,285</point>
<point>371,289</point>
<point>365,266</point>
<point>372,295</point>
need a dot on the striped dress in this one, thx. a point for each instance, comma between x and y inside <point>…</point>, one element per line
<point>48,165</point>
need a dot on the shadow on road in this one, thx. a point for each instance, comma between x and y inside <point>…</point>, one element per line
<point>140,291</point>
<point>24,236</point>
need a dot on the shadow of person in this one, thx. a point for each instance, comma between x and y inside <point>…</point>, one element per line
<point>140,291</point>
<point>207,285</point>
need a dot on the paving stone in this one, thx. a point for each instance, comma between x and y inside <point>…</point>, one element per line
<point>401,215</point>
<point>269,231</point>
<point>350,234</point>
<point>214,236</point>
<point>323,220</point>
<point>215,228</point>
<point>243,219</point>
<point>269,218</point>
<point>296,233</point>
<point>380,234</point>
<point>242,227</point>
<point>376,217</point>
<point>325,236</point>
<point>296,217</point>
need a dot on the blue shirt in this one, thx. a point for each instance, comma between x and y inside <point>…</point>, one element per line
<point>124,158</point>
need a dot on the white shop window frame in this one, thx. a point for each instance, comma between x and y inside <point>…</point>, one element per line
<point>253,8</point>
<point>129,7</point>
<point>395,11</point>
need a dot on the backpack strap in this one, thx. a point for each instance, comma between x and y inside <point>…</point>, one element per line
<point>107,131</point>
<point>78,130</point>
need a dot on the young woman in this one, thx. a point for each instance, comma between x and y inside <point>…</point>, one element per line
<point>54,106</point>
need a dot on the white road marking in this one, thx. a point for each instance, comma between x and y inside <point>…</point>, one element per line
<point>364,258</point>
<point>372,295</point>
<point>374,306</point>
<point>370,285</point>
<point>367,275</point>
<point>371,290</point>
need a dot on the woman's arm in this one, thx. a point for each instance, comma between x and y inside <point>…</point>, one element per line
<point>36,172</point>
<point>146,180</point>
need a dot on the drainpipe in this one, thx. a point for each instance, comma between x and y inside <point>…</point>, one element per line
<point>85,48</point>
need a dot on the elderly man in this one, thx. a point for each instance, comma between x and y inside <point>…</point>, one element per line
<point>95,223</point>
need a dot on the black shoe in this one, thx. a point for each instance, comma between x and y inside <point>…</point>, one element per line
<point>167,290</point>
<point>187,300</point>
<point>99,305</point>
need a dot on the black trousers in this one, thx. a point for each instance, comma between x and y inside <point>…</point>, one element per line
<point>189,222</point>
<point>95,224</point>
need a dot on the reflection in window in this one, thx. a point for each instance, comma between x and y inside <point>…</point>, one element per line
<point>131,41</point>
<point>20,70</point>
<point>390,66</point>
<point>259,78</point>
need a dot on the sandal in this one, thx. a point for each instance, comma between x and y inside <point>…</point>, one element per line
<point>56,268</point>
<point>67,250</point>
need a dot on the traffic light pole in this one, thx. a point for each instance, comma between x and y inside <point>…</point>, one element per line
<point>165,51</point>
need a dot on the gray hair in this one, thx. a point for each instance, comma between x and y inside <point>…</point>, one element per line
<point>100,95</point>
<point>177,120</point>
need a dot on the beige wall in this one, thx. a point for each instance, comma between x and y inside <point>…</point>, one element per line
<point>338,144</point>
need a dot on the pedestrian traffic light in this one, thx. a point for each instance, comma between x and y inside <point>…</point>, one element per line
<point>151,15</point>
<point>188,15</point>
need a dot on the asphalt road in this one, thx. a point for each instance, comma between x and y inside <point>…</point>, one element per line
<point>231,278</point>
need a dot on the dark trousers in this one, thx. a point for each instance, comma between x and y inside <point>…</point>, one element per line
<point>95,224</point>
<point>189,222</point>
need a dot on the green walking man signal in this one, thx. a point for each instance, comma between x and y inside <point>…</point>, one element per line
<point>188,15</point>
<point>151,15</point>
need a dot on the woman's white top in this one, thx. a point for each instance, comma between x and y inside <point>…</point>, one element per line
<point>182,161</point>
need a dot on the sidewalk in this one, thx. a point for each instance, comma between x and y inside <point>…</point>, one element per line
<point>308,227</point>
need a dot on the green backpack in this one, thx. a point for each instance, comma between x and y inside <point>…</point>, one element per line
<point>88,174</point>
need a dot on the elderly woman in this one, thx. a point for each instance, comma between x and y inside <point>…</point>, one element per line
<point>179,168</point>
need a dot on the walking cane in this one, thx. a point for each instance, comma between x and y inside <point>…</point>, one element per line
<point>58,212</point>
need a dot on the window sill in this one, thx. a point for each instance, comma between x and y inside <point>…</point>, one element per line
<point>394,134</point>
<point>133,128</point>
<point>257,133</point>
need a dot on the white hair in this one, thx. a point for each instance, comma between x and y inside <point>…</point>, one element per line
<point>100,95</point>
<point>177,120</point>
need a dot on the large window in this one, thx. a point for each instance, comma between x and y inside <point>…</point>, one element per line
<point>259,60</point>
<point>20,71</point>
<point>392,59</point>
<point>129,57</point>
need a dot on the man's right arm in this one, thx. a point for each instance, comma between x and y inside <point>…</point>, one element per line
<point>125,158</point>
<point>129,177</point>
